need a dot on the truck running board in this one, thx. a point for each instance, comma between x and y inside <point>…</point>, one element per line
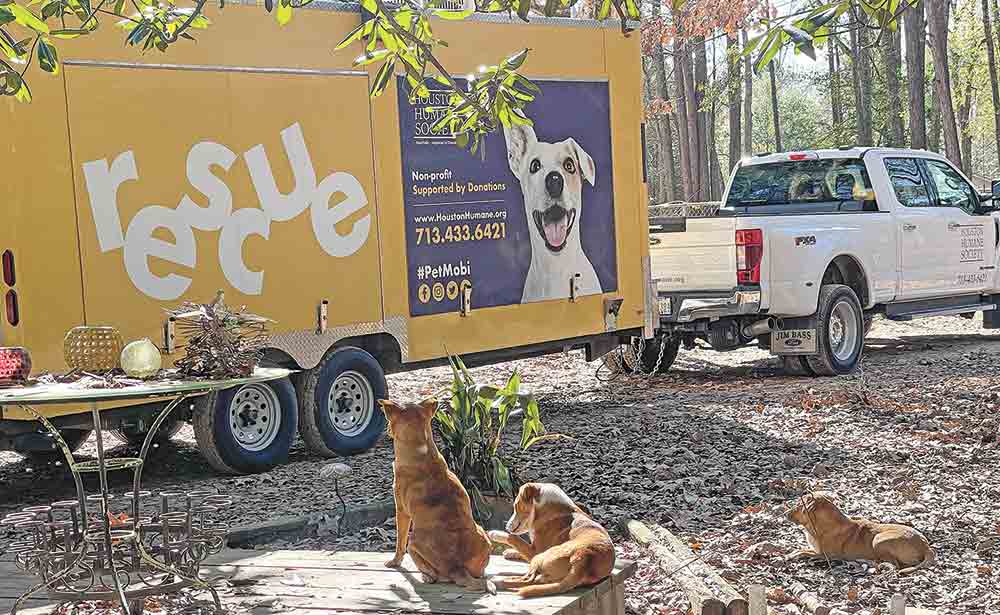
<point>927,312</point>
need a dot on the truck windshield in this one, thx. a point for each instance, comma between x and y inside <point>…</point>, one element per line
<point>840,184</point>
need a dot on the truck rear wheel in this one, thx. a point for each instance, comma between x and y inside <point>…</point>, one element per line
<point>134,436</point>
<point>247,429</point>
<point>74,439</point>
<point>840,331</point>
<point>794,365</point>
<point>338,403</point>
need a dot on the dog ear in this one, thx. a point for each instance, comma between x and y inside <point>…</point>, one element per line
<point>519,139</point>
<point>390,408</point>
<point>531,492</point>
<point>583,160</point>
<point>428,407</point>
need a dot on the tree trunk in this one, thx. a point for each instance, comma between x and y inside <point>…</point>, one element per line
<point>891,65</point>
<point>916,69</point>
<point>964,120</point>
<point>934,130</point>
<point>681,116</point>
<point>666,138</point>
<point>861,68</point>
<point>747,103</point>
<point>701,85</point>
<point>774,109</point>
<point>693,144</point>
<point>937,22</point>
<point>989,7</point>
<point>734,82</point>
<point>836,107</point>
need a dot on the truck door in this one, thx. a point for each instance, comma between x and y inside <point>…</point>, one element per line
<point>969,235</point>
<point>924,255</point>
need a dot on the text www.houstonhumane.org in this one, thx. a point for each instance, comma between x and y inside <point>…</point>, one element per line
<point>462,216</point>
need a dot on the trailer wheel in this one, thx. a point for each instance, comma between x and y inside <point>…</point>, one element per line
<point>651,354</point>
<point>74,439</point>
<point>247,429</point>
<point>840,331</point>
<point>133,436</point>
<point>338,411</point>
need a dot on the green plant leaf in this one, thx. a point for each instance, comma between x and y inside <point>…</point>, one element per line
<point>48,58</point>
<point>382,77</point>
<point>515,61</point>
<point>27,19</point>
<point>284,13</point>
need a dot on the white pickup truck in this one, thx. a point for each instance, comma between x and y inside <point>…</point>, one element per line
<point>807,247</point>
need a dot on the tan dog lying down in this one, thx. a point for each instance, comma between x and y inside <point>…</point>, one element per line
<point>830,533</point>
<point>568,548</point>
<point>447,545</point>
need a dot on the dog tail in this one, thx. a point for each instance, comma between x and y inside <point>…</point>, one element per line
<point>928,560</point>
<point>570,581</point>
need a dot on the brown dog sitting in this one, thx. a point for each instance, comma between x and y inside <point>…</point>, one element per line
<point>568,548</point>
<point>832,534</point>
<point>447,545</point>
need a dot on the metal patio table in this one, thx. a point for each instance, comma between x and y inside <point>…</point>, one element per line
<point>82,554</point>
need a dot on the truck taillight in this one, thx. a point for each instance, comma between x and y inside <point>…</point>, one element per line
<point>12,309</point>
<point>749,252</point>
<point>7,262</point>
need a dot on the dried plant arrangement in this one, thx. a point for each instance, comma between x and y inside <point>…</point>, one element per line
<point>219,342</point>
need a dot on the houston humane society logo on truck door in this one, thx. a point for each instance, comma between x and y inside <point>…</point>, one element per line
<point>207,163</point>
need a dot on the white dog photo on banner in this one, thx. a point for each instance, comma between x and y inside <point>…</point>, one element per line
<point>551,176</point>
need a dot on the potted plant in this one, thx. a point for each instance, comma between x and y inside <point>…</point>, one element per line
<point>470,424</point>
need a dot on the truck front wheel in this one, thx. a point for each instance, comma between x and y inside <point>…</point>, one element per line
<point>840,331</point>
<point>339,412</point>
<point>247,429</point>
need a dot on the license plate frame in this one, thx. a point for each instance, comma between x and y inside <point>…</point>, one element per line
<point>793,342</point>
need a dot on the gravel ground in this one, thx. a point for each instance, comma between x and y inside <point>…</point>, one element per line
<point>713,451</point>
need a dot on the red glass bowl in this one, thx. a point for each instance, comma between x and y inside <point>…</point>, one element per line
<point>15,364</point>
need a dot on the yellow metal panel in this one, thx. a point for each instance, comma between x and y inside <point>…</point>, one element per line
<point>244,120</point>
<point>38,222</point>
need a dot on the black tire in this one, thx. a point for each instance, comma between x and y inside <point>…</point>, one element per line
<point>354,381</point>
<point>651,354</point>
<point>869,321</point>
<point>839,307</point>
<point>794,365</point>
<point>74,439</point>
<point>133,436</point>
<point>253,409</point>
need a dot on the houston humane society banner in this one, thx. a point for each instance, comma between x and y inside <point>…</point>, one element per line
<point>520,225</point>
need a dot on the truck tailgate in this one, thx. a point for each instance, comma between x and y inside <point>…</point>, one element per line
<point>693,254</point>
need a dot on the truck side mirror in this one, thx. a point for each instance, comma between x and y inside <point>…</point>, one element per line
<point>995,190</point>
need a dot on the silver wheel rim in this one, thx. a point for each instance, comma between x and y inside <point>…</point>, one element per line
<point>351,403</point>
<point>843,330</point>
<point>255,416</point>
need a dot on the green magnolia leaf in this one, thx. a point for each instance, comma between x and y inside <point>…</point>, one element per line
<point>48,59</point>
<point>355,35</point>
<point>515,61</point>
<point>523,8</point>
<point>769,48</point>
<point>27,19</point>
<point>283,14</point>
<point>371,58</point>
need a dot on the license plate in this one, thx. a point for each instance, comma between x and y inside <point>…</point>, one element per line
<point>793,341</point>
<point>665,307</point>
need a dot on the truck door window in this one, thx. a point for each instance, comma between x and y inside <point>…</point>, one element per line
<point>907,182</point>
<point>952,189</point>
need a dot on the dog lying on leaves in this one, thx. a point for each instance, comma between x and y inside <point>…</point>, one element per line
<point>832,534</point>
<point>567,549</point>
<point>447,545</point>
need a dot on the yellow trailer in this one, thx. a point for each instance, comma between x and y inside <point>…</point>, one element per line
<point>255,162</point>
